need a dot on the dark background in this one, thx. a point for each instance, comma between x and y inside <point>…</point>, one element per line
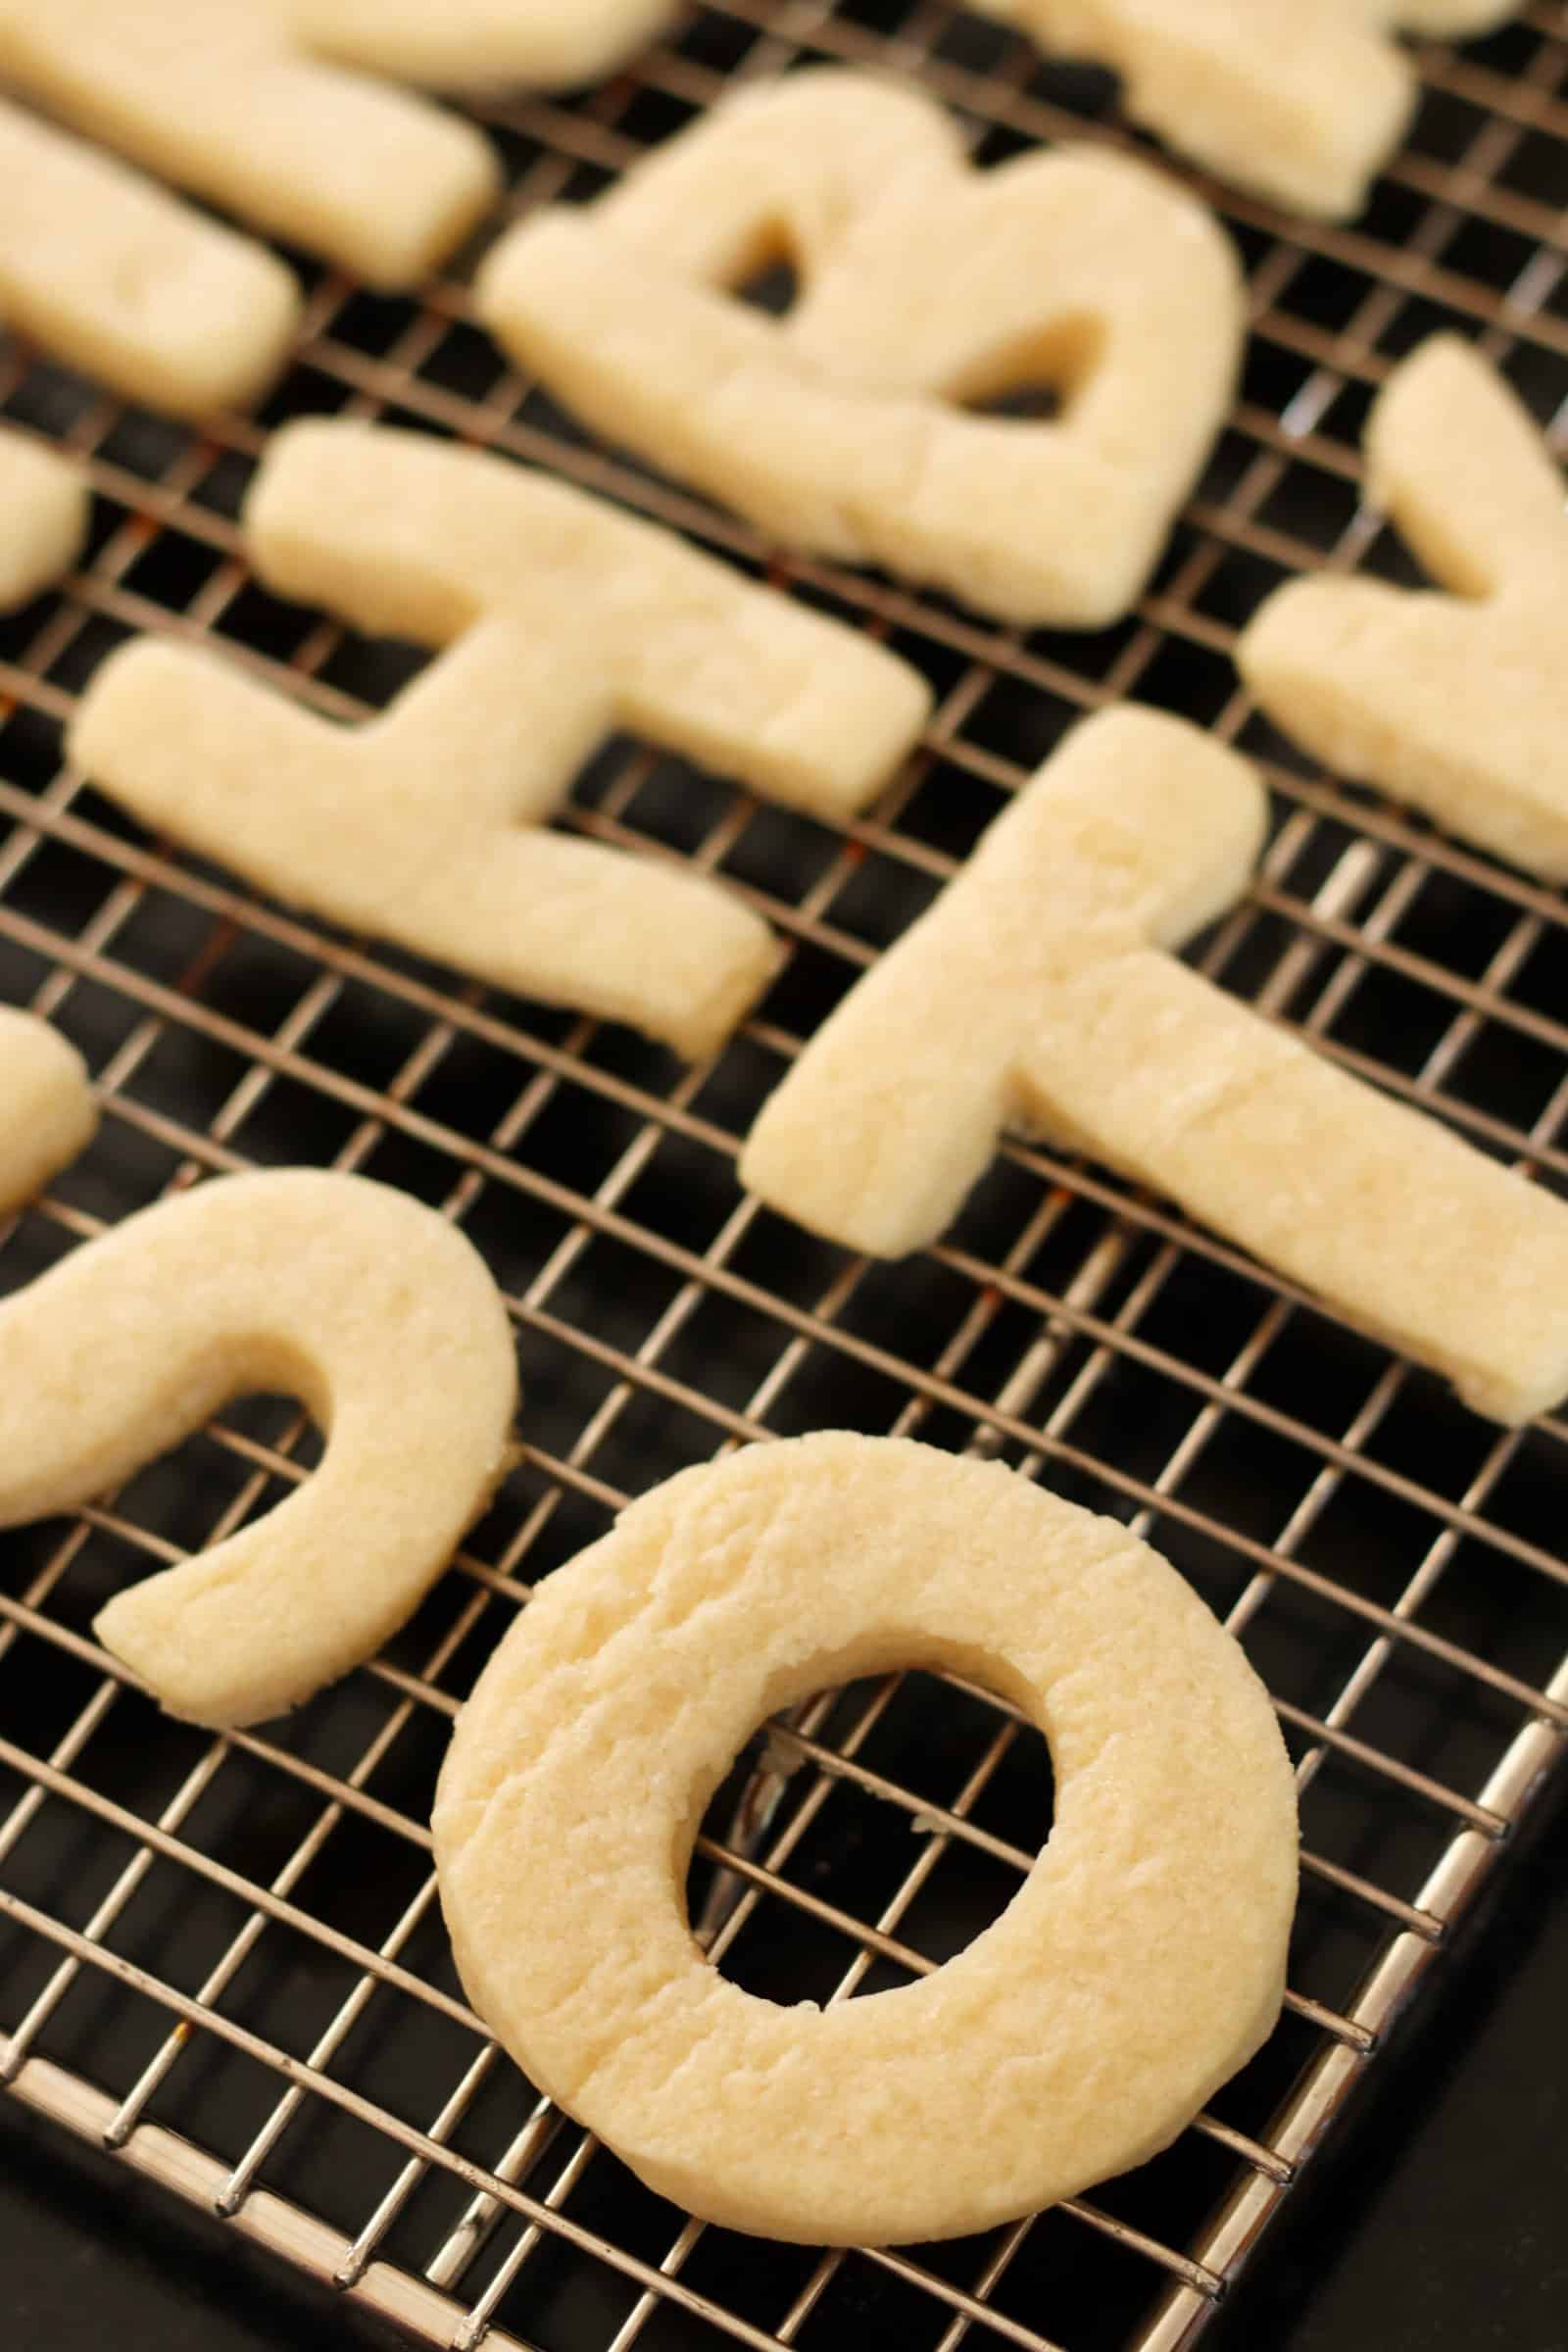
<point>1438,2224</point>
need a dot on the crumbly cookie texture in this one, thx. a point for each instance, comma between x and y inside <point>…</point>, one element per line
<point>1456,703</point>
<point>1301,99</point>
<point>47,1111</point>
<point>372,1310</point>
<point>1035,994</point>
<point>469,44</point>
<point>926,290</point>
<point>111,276</point>
<point>222,97</point>
<point>424,826</point>
<point>44,506</point>
<point>1138,1964</point>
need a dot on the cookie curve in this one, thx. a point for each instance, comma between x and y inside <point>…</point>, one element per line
<point>223,98</point>
<point>1303,116</point>
<point>101,266</point>
<point>1449,699</point>
<point>375,1311</point>
<point>1086,1032</point>
<point>532,44</point>
<point>562,619</point>
<point>46,505</point>
<point>48,1114</point>
<point>835,429</point>
<point>740,1585</point>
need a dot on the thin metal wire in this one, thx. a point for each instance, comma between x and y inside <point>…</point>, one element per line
<point>1390,1563</point>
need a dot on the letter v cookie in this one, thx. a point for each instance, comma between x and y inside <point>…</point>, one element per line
<point>372,1310</point>
<point>222,97</point>
<point>927,289</point>
<point>563,620</point>
<point>1456,703</point>
<point>1300,99</point>
<point>1036,992</point>
<point>106,272</point>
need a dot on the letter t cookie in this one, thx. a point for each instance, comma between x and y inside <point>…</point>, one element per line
<point>1036,993</point>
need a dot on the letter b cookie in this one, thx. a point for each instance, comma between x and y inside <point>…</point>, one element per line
<point>926,290</point>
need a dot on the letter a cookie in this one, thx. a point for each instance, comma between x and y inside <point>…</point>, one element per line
<point>1456,703</point>
<point>563,620</point>
<point>926,290</point>
<point>1036,993</point>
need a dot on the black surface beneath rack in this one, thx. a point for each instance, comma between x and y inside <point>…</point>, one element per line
<point>1440,2225</point>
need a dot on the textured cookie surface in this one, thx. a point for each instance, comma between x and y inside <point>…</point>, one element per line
<point>425,827</point>
<point>1034,994</point>
<point>47,1112</point>
<point>114,277</point>
<point>373,1311</point>
<point>1140,1961</point>
<point>222,97</point>
<point>43,517</point>
<point>1300,99</point>
<point>927,291</point>
<point>1456,703</point>
<point>463,44</point>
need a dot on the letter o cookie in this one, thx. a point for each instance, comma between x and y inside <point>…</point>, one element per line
<point>1140,1963</point>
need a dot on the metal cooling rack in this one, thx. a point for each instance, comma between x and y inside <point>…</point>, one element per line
<point>224,1958</point>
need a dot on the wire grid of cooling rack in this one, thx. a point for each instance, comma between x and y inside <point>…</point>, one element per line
<point>224,1958</point>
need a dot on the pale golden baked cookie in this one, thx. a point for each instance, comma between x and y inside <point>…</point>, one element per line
<point>425,827</point>
<point>44,508</point>
<point>471,44</point>
<point>1034,994</point>
<point>372,1310</point>
<point>1302,100</point>
<point>222,97</point>
<point>1140,1963</point>
<point>47,1112</point>
<point>1456,703</point>
<point>925,288</point>
<point>114,277</point>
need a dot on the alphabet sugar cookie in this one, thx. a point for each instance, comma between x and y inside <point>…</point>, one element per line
<point>111,276</point>
<point>1140,1963</point>
<point>1457,702</point>
<point>467,44</point>
<point>424,826</point>
<point>1300,99</point>
<point>43,517</point>
<point>372,1310</point>
<point>222,97</point>
<point>1035,992</point>
<point>926,290</point>
<point>47,1113</point>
